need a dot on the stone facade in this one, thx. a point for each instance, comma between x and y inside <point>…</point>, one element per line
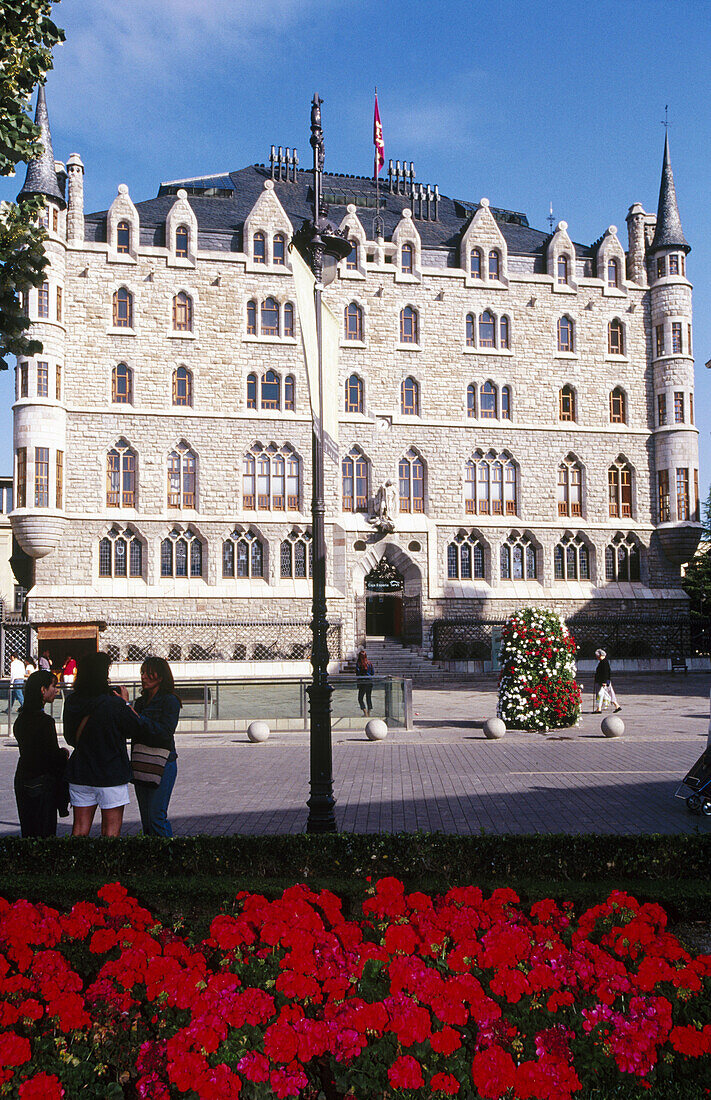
<point>571,440</point>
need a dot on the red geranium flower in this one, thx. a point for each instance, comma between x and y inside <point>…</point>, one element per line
<point>43,1086</point>
<point>406,1073</point>
<point>493,1072</point>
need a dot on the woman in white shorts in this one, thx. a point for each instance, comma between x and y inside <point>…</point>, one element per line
<point>97,722</point>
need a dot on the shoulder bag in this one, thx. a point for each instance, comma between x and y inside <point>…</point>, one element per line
<point>148,763</point>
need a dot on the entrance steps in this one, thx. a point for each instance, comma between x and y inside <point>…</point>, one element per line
<point>390,658</point>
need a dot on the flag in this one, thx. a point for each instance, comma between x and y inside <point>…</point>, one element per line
<point>378,139</point>
<point>304,283</point>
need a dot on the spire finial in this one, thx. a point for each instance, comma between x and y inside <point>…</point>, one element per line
<point>668,233</point>
<point>41,178</point>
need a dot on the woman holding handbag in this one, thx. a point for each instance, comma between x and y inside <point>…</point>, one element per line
<point>97,723</point>
<point>40,769</point>
<point>155,772</point>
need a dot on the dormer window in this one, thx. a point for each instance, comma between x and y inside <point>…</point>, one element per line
<point>260,248</point>
<point>494,264</point>
<point>279,250</point>
<point>182,239</point>
<point>562,271</point>
<point>406,259</point>
<point>352,257</point>
<point>613,274</point>
<point>123,238</point>
<point>475,263</point>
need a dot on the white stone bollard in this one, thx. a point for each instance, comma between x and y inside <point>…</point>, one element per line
<point>376,729</point>
<point>612,726</point>
<point>258,732</point>
<point>494,728</point>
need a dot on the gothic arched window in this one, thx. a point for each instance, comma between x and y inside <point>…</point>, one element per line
<point>270,317</point>
<point>471,398</point>
<point>622,559</point>
<point>613,274</point>
<point>494,264</point>
<point>562,270</point>
<point>409,326</point>
<point>121,476</point>
<point>260,247</point>
<point>504,333</point>
<point>296,556</point>
<point>465,558</point>
<point>410,397</point>
<point>518,559</point>
<point>571,560</point>
<point>270,479</point>
<point>288,319</point>
<point>271,390</point>
<point>252,318</point>
<point>242,555</point>
<point>122,385</point>
<point>488,401</point>
<point>619,480</point>
<point>490,486</point>
<point>182,386</point>
<point>279,250</point>
<point>615,338</point>
<point>618,410</point>
<point>570,488</point>
<point>181,555</point>
<point>353,322</point>
<point>475,263</point>
<point>566,403</point>
<point>354,394</point>
<point>182,240</point>
<point>411,471</point>
<point>182,477</point>
<point>123,308</point>
<point>120,554</point>
<point>406,259</point>
<point>182,312</point>
<point>123,237</point>
<point>487,330</point>
<point>355,481</point>
<point>471,330</point>
<point>566,334</point>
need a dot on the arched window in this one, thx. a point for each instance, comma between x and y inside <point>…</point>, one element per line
<point>505,402</point>
<point>121,476</point>
<point>279,249</point>
<point>122,385</point>
<point>183,312</point>
<point>504,333</point>
<point>471,398</point>
<point>354,394</point>
<point>182,386</point>
<point>409,326</point>
<point>271,390</point>
<point>622,559</point>
<point>566,335</point>
<point>270,479</point>
<point>352,257</point>
<point>471,330</point>
<point>619,481</point>
<point>571,560</point>
<point>618,411</point>
<point>296,556</point>
<point>181,555</point>
<point>475,263</point>
<point>494,264</point>
<point>570,488</point>
<point>490,486</point>
<point>123,308</point>
<point>487,330</point>
<point>488,402</point>
<point>410,397</point>
<point>518,559</point>
<point>288,319</point>
<point>242,555</point>
<point>182,240</point>
<point>260,247</point>
<point>566,403</point>
<point>562,271</point>
<point>355,481</point>
<point>353,322</point>
<point>465,558</point>
<point>120,554</point>
<point>270,317</point>
<point>613,274</point>
<point>182,477</point>
<point>411,471</point>
<point>123,238</point>
<point>252,318</point>
<point>251,391</point>
<point>615,338</point>
<point>290,393</point>
<point>406,259</point>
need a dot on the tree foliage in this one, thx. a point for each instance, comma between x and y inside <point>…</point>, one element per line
<point>27,37</point>
<point>697,576</point>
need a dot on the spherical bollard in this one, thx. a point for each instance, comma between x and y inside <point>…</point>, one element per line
<point>376,729</point>
<point>258,732</point>
<point>612,726</point>
<point>494,728</point>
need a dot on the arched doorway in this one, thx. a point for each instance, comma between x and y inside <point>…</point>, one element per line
<point>384,587</point>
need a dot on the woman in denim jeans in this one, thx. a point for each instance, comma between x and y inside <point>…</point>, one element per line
<point>158,708</point>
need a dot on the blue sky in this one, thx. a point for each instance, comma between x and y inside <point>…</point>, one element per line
<point>526,102</point>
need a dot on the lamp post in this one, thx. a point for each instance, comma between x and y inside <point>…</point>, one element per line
<point>323,246</point>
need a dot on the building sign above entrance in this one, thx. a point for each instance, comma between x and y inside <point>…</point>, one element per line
<point>384,578</point>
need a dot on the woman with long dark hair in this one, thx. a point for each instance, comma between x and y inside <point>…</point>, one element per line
<point>38,778</point>
<point>158,708</point>
<point>97,723</point>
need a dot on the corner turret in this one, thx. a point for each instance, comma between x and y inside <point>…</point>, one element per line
<point>41,178</point>
<point>668,233</point>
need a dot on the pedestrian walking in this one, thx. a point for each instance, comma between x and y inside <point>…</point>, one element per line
<point>17,680</point>
<point>97,723</point>
<point>603,684</point>
<point>364,678</point>
<point>69,673</point>
<point>45,662</point>
<point>158,709</point>
<point>40,787</point>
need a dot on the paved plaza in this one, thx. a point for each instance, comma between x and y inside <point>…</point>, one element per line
<point>444,775</point>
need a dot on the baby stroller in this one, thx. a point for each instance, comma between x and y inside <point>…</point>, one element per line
<point>695,787</point>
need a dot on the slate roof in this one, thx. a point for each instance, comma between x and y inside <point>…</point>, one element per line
<point>225,216</point>
<point>668,233</point>
<point>41,178</point>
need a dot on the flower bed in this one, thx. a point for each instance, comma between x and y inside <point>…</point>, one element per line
<point>537,686</point>
<point>456,995</point>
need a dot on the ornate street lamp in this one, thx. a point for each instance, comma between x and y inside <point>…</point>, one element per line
<point>322,245</point>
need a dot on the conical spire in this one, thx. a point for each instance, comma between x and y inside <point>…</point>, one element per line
<point>41,176</point>
<point>668,233</point>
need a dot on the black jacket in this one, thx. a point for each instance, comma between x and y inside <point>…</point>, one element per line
<point>158,717</point>
<point>40,753</point>
<point>100,759</point>
<point>603,674</point>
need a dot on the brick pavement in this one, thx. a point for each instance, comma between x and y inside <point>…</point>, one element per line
<point>444,775</point>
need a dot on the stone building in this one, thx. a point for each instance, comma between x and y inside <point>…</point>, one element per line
<point>529,398</point>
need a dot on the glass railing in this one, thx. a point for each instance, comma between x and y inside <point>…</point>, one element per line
<point>227,705</point>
